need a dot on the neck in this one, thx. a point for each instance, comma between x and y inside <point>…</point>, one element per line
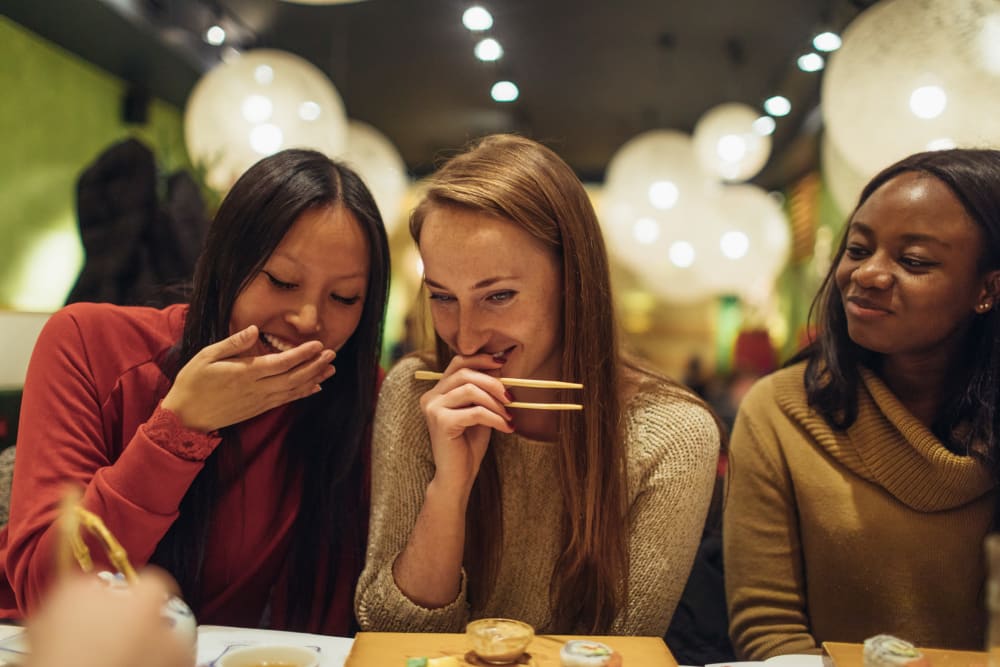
<point>920,382</point>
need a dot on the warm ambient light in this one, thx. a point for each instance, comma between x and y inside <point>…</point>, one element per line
<point>681,254</point>
<point>663,194</point>
<point>504,91</point>
<point>928,102</point>
<point>646,231</point>
<point>489,50</point>
<point>477,19</point>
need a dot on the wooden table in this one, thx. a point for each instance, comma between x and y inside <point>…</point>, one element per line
<point>391,649</point>
<point>852,655</point>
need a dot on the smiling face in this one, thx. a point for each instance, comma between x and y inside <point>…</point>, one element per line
<point>312,287</point>
<point>494,289</point>
<point>908,277</point>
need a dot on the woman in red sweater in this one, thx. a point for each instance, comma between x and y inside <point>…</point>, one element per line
<point>200,433</point>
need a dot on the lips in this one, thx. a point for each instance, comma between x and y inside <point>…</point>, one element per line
<point>868,304</point>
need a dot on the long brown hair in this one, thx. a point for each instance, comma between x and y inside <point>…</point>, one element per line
<point>522,181</point>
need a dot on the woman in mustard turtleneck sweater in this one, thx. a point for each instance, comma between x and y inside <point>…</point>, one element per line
<point>862,475</point>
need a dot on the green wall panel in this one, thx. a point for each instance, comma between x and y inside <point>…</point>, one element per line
<point>58,113</point>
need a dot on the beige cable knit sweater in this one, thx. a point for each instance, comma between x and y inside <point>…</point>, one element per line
<point>838,536</point>
<point>672,452</point>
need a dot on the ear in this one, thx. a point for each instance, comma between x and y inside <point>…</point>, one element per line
<point>989,294</point>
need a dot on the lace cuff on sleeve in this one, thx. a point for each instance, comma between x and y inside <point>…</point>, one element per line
<point>166,430</point>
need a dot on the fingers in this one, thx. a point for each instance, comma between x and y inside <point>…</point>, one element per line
<point>465,406</point>
<point>462,376</point>
<point>237,344</point>
<point>309,355</point>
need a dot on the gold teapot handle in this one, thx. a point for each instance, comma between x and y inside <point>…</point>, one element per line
<point>72,519</point>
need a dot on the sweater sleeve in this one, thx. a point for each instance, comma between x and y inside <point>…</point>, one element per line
<point>762,547</point>
<point>63,441</point>
<point>674,450</point>
<point>402,467</point>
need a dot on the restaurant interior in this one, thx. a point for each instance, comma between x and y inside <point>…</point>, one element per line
<point>723,143</point>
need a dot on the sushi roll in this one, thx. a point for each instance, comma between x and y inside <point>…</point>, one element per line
<point>889,651</point>
<point>582,653</point>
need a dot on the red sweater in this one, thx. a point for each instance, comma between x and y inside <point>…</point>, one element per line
<point>93,383</point>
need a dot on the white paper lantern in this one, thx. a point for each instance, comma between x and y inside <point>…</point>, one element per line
<point>842,181</point>
<point>727,144</point>
<point>258,104</point>
<point>914,75</point>
<point>373,156</point>
<point>751,243</point>
<point>652,207</point>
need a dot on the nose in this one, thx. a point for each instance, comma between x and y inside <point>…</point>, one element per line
<point>470,336</point>
<point>305,318</point>
<point>874,273</point>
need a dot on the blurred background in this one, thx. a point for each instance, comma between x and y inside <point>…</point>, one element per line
<point>722,142</point>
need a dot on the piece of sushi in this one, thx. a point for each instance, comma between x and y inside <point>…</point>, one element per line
<point>889,651</point>
<point>583,653</point>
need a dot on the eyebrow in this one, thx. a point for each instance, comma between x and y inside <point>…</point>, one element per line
<point>481,284</point>
<point>907,238</point>
<point>294,260</point>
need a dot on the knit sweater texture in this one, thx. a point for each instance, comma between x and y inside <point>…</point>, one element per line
<point>840,535</point>
<point>672,448</point>
<point>90,417</point>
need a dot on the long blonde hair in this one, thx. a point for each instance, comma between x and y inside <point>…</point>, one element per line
<point>522,181</point>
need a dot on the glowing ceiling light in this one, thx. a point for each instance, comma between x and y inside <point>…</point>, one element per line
<point>734,244</point>
<point>215,35</point>
<point>731,147</point>
<point>777,105</point>
<point>811,62</point>
<point>663,194</point>
<point>646,231</point>
<point>256,108</point>
<point>827,41</point>
<point>681,254</point>
<point>941,144</point>
<point>309,110</point>
<point>764,126</point>
<point>489,50</point>
<point>476,18</point>
<point>928,102</point>
<point>263,74</point>
<point>504,91</point>
<point>266,139</point>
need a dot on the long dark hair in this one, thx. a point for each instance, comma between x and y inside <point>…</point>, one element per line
<point>832,372</point>
<point>331,426</point>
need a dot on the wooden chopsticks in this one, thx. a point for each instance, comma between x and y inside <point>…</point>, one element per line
<point>523,382</point>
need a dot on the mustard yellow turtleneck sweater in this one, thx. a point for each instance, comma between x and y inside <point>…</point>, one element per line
<point>840,535</point>
<point>672,448</point>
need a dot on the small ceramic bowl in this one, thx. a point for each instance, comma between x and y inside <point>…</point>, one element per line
<point>269,656</point>
<point>499,641</point>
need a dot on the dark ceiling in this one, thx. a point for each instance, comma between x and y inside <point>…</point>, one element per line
<point>592,73</point>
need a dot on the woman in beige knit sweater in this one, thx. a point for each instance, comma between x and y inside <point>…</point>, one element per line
<point>581,521</point>
<point>862,476</point>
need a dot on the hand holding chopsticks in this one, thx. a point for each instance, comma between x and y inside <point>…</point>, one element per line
<point>523,382</point>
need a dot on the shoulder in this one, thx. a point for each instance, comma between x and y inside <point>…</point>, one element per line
<point>400,378</point>
<point>782,387</point>
<point>109,337</point>
<point>107,319</point>
<point>661,415</point>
